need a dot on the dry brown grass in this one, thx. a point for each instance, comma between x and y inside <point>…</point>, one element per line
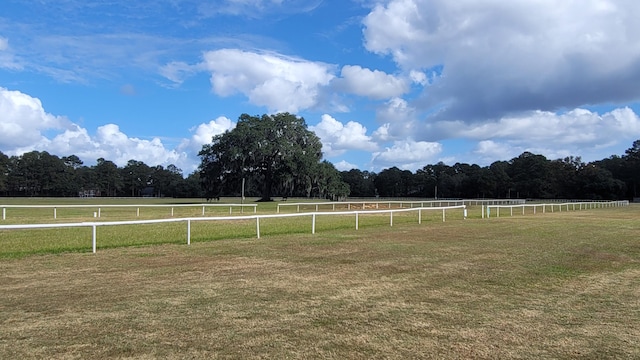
<point>563,285</point>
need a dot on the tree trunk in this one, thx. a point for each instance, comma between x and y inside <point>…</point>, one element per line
<point>268,184</point>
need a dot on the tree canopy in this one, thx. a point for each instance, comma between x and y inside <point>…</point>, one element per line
<point>42,174</point>
<point>525,176</point>
<point>238,156</point>
<point>276,151</point>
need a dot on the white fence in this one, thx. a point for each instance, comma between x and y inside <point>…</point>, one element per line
<point>100,207</point>
<point>375,204</point>
<point>567,206</point>
<point>257,218</point>
<point>364,204</point>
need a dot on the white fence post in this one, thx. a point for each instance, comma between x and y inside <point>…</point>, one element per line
<point>4,213</point>
<point>258,227</point>
<point>93,237</point>
<point>390,218</point>
<point>356,220</point>
<point>55,213</point>
<point>420,216</point>
<point>443,215</point>
<point>188,231</point>
<point>313,224</point>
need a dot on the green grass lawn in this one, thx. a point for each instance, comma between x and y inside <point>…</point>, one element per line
<point>24,242</point>
<point>562,285</point>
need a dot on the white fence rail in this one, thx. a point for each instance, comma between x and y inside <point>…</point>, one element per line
<point>375,204</point>
<point>257,218</point>
<point>567,206</point>
<point>99,208</point>
<point>349,205</point>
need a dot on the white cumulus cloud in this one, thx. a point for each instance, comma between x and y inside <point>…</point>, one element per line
<point>337,137</point>
<point>375,84</point>
<point>503,57</point>
<point>23,120</point>
<point>343,165</point>
<point>203,133</point>
<point>578,132</point>
<point>26,126</point>
<point>275,81</point>
<point>407,154</point>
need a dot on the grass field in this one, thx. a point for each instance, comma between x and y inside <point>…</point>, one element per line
<point>24,242</point>
<point>562,285</point>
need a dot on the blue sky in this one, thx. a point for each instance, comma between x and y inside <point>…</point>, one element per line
<point>401,83</point>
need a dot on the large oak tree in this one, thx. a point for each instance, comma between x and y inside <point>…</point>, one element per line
<point>277,148</point>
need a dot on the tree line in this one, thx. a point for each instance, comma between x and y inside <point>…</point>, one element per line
<point>42,174</point>
<point>526,176</point>
<point>275,155</point>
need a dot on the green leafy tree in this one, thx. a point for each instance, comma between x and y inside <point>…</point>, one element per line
<point>190,187</point>
<point>632,158</point>
<point>72,178</point>
<point>136,176</point>
<point>530,175</point>
<point>389,182</point>
<point>35,174</point>
<point>361,183</point>
<point>165,181</point>
<point>563,175</point>
<point>4,172</point>
<point>503,188</point>
<point>273,147</point>
<point>109,178</point>
<point>595,182</point>
<point>327,183</point>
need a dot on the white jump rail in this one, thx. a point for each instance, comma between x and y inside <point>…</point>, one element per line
<point>313,216</point>
<point>100,207</point>
<point>568,206</point>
